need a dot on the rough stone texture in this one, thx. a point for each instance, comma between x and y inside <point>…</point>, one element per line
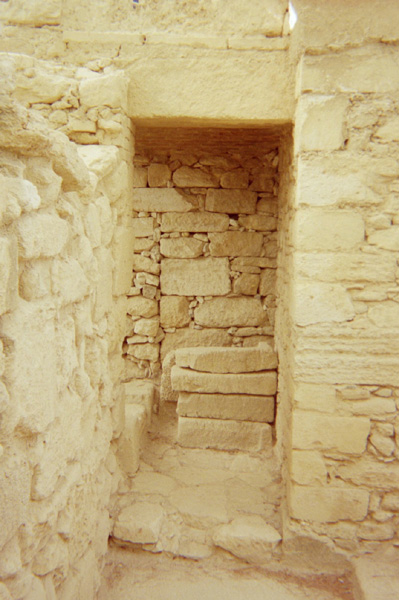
<point>249,537</point>
<point>227,360</point>
<point>329,231</point>
<point>228,312</point>
<point>226,406</point>
<point>235,243</point>
<point>174,311</point>
<point>194,222</point>
<point>187,338</point>
<point>181,248</point>
<point>223,435</point>
<point>231,201</point>
<point>203,277</point>
<point>328,504</point>
<point>139,524</point>
<point>158,175</point>
<point>159,200</point>
<point>186,177</point>
<point>185,380</point>
<point>320,302</point>
<point>131,439</point>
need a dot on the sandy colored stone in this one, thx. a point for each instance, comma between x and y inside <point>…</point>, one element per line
<point>143,227</point>
<point>9,275</point>
<point>322,302</point>
<point>227,360</point>
<point>186,380</point>
<point>308,468</point>
<point>246,284</point>
<point>144,351</point>
<point>194,222</point>
<point>135,425</point>
<point>223,435</point>
<point>258,222</point>
<point>248,537</point>
<point>41,235</point>
<point>159,200</point>
<point>122,251</point>
<point>174,311</point>
<point>231,201</point>
<point>201,277</point>
<point>262,182</point>
<point>313,431</point>
<point>140,177</point>
<point>187,177</point>
<point>243,262</point>
<point>388,239</point>
<point>235,243</point>
<point>139,523</point>
<point>335,267</point>
<point>320,122</point>
<point>226,406</point>
<point>143,263</point>
<point>328,504</point>
<point>181,247</point>
<point>101,160</point>
<point>188,337</point>
<point>142,393</point>
<point>158,175</point>
<point>146,327</point>
<point>142,307</point>
<point>328,230</point>
<point>108,90</point>
<point>267,283</point>
<point>230,312</point>
<point>237,179</point>
<point>201,506</point>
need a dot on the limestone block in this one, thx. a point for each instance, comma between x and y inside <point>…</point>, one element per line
<point>223,434</point>
<point>230,312</point>
<point>388,239</point>
<point>267,284</point>
<point>147,326</point>
<point>158,175</point>
<point>101,160</point>
<point>8,274</point>
<point>131,438</point>
<point>174,311</point>
<point>187,177</point>
<point>188,337</point>
<point>31,374</point>
<point>313,431</point>
<point>258,222</point>
<point>202,506</point>
<point>315,396</point>
<point>142,393</point>
<point>35,12</point>
<point>145,351</point>
<point>227,360</point>
<point>390,131</point>
<point>195,277</point>
<point>10,562</point>
<point>105,90</point>
<point>320,123</point>
<point>259,262</point>
<point>37,84</point>
<point>226,406</point>
<point>336,267</point>
<point>159,200</point>
<point>186,380</point>
<point>41,235</point>
<point>235,243</point>
<point>93,225</point>
<point>143,263</point>
<point>231,201</point>
<point>328,230</point>
<point>69,280</point>
<point>182,247</point>
<point>4,398</point>
<point>246,284</point>
<point>262,182</point>
<point>67,163</point>
<point>308,468</point>
<point>248,537</point>
<point>328,505</point>
<point>321,303</point>
<point>196,222</point>
<point>123,245</point>
<point>142,307</point>
<point>139,523</point>
<point>385,314</point>
<point>368,472</point>
<point>140,177</point>
<point>390,502</point>
<point>103,296</point>
<point>237,179</point>
<point>53,556</point>
<point>22,191</point>
<point>143,227</point>
<point>14,497</point>
<point>359,70</point>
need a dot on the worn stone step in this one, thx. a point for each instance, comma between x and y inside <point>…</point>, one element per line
<point>139,523</point>
<point>223,434</point>
<point>186,380</point>
<point>239,407</point>
<point>227,360</point>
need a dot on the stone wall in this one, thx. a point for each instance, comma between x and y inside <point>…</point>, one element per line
<point>65,267</point>
<point>205,255</point>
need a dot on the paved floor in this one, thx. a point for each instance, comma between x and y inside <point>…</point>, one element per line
<point>145,576</point>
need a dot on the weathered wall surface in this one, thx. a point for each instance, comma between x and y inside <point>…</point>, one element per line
<point>63,232</point>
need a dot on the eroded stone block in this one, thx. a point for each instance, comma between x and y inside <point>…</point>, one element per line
<point>174,311</point>
<point>41,235</point>
<point>223,435</point>
<point>238,407</point>
<point>201,277</point>
<point>159,200</point>
<point>328,505</point>
<point>186,380</point>
<point>139,523</point>
<point>230,312</point>
<point>235,243</point>
<point>187,177</point>
<point>196,222</point>
<point>182,247</point>
<point>231,201</point>
<point>227,360</point>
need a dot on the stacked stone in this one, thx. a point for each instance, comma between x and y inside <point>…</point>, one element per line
<point>226,397</point>
<point>205,255</point>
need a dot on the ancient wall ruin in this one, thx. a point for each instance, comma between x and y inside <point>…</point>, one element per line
<point>96,276</point>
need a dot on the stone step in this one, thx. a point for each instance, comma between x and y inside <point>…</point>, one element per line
<point>139,523</point>
<point>131,439</point>
<point>186,380</point>
<point>228,360</point>
<point>223,434</point>
<point>239,407</point>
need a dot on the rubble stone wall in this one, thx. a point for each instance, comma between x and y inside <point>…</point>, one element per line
<point>65,267</point>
